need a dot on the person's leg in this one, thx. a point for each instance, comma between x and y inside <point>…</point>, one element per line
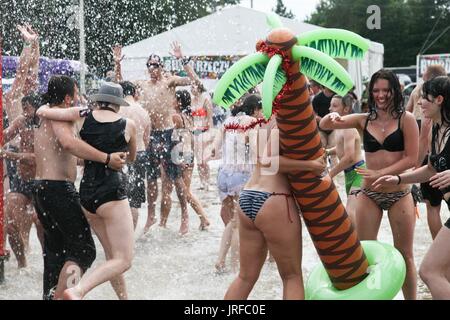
<point>118,283</point>
<point>253,252</point>
<point>202,166</point>
<point>193,201</point>
<point>118,223</point>
<point>350,207</point>
<point>152,195</point>
<point>166,198</point>
<point>234,245</point>
<point>135,215</point>
<point>226,211</point>
<point>16,209</point>
<point>403,220</point>
<point>180,188</point>
<point>435,267</point>
<point>368,217</point>
<point>27,223</point>
<point>39,230</point>
<point>283,234</point>
<point>433,218</point>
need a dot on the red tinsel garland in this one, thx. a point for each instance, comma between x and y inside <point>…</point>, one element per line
<point>237,126</point>
<point>285,65</point>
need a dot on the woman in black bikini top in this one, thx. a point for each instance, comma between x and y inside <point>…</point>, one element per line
<point>435,104</point>
<point>391,144</point>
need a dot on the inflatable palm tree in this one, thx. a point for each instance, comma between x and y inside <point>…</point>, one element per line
<point>281,64</point>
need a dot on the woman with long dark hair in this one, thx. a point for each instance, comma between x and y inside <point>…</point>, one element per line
<point>435,104</point>
<point>390,137</point>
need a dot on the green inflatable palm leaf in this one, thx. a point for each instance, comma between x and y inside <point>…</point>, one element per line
<point>323,69</point>
<point>244,75</point>
<point>337,43</point>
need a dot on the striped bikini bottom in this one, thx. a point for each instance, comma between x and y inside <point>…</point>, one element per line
<point>251,202</point>
<point>385,200</point>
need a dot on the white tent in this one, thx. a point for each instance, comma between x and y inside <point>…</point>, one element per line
<point>232,31</point>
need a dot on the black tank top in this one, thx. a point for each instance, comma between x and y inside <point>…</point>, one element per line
<point>393,142</point>
<point>441,161</point>
<point>108,137</point>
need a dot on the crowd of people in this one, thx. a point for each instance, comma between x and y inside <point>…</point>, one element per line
<point>130,134</point>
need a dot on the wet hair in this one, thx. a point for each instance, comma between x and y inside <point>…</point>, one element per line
<point>347,100</point>
<point>184,101</point>
<point>155,57</point>
<point>129,89</point>
<point>435,70</point>
<point>439,86</point>
<point>251,103</point>
<point>396,108</point>
<point>33,99</point>
<point>59,87</point>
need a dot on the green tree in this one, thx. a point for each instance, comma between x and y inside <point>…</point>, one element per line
<point>107,22</point>
<point>405,25</point>
<point>282,11</point>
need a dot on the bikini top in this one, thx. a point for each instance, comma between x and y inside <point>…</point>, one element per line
<point>441,161</point>
<point>392,143</point>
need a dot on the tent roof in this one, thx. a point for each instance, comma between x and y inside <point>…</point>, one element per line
<point>231,31</point>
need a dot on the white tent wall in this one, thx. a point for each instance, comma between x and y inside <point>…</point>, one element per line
<point>232,31</point>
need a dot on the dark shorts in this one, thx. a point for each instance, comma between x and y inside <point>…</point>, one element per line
<point>67,234</point>
<point>136,180</point>
<point>160,153</point>
<point>433,195</point>
<point>95,192</point>
<point>21,186</point>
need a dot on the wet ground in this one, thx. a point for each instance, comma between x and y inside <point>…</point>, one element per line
<point>170,266</point>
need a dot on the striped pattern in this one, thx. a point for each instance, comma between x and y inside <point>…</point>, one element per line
<point>325,217</point>
<point>251,202</point>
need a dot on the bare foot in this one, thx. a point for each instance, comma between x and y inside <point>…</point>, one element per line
<point>220,267</point>
<point>150,222</point>
<point>204,224</point>
<point>184,228</point>
<point>73,293</point>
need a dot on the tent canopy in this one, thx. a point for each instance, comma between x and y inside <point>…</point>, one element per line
<point>232,31</point>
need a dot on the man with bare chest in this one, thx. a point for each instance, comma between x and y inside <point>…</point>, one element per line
<point>158,98</point>
<point>21,185</point>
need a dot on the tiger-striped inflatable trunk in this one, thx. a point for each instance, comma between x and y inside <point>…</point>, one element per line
<point>282,62</point>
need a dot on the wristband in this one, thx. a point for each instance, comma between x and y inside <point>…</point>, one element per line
<point>108,158</point>
<point>185,60</point>
<point>399,179</point>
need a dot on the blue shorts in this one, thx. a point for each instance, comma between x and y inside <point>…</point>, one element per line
<point>231,183</point>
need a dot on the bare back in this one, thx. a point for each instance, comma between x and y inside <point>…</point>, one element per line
<point>140,117</point>
<point>52,161</point>
<point>157,99</point>
<point>268,179</point>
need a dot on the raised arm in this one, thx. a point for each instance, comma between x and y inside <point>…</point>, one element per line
<point>31,82</point>
<point>62,114</point>
<point>118,57</point>
<point>334,121</point>
<point>21,73</point>
<point>192,76</point>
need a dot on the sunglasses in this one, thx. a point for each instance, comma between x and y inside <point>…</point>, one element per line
<point>154,65</point>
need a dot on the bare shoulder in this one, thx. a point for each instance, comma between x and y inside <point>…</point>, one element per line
<point>409,119</point>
